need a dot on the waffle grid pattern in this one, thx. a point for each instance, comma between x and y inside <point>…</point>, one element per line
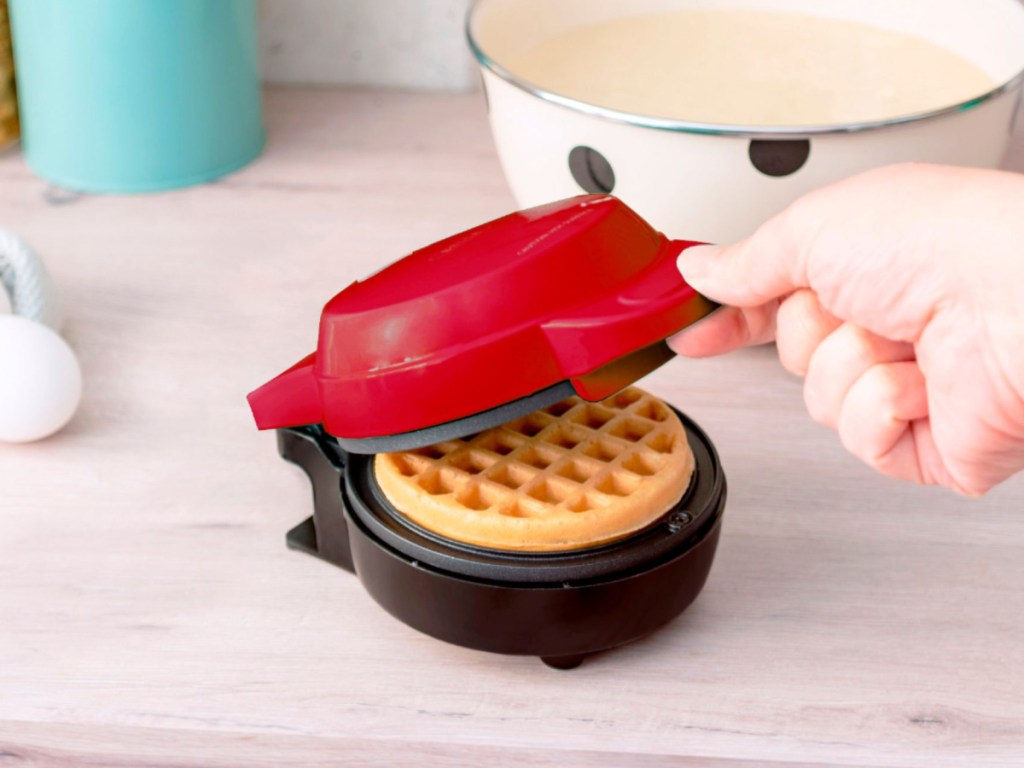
<point>573,456</point>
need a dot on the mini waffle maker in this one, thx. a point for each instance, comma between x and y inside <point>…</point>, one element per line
<point>576,297</point>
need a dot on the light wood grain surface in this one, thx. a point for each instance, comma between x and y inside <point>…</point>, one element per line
<point>151,615</point>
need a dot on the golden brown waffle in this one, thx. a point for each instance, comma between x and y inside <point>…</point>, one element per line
<point>569,476</point>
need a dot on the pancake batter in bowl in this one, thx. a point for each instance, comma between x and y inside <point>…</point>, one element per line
<point>746,67</point>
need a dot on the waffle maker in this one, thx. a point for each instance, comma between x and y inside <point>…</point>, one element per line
<point>575,297</point>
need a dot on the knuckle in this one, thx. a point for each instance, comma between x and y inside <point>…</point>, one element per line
<point>882,388</point>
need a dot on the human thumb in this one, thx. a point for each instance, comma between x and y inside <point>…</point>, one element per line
<point>746,274</point>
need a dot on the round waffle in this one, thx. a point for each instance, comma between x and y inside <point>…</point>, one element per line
<point>569,476</point>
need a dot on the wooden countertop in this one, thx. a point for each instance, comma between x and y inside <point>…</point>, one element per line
<point>151,615</point>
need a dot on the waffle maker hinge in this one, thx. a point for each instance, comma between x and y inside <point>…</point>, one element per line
<point>325,534</point>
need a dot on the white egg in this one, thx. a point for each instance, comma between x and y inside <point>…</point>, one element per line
<point>40,381</point>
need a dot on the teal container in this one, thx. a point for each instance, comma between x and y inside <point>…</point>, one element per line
<point>137,95</point>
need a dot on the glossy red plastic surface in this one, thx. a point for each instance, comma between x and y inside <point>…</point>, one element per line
<point>484,318</point>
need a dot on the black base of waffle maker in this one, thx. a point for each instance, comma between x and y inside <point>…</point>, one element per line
<point>558,606</point>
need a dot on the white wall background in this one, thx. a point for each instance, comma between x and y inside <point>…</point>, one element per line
<point>400,43</point>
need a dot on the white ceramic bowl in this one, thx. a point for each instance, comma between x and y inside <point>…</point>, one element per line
<point>697,180</point>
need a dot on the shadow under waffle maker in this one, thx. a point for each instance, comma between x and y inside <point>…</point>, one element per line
<point>572,299</point>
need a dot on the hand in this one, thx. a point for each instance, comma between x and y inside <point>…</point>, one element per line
<point>899,295</point>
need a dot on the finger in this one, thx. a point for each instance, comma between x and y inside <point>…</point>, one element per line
<point>766,266</point>
<point>800,326</point>
<point>968,479</point>
<point>839,361</point>
<point>883,420</point>
<point>727,329</point>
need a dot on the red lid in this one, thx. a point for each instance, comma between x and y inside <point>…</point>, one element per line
<point>484,318</point>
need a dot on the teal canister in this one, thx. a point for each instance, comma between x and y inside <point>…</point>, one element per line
<point>137,95</point>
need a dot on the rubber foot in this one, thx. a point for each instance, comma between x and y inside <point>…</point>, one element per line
<point>562,662</point>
